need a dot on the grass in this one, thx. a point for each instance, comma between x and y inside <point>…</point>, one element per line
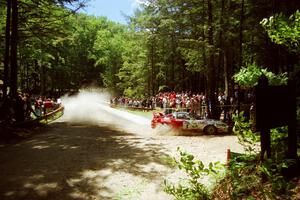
<point>52,117</point>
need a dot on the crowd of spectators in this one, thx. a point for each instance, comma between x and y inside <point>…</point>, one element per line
<point>26,106</point>
<point>193,103</point>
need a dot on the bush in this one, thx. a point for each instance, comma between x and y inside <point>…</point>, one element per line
<point>249,177</point>
<point>195,186</point>
<point>246,177</point>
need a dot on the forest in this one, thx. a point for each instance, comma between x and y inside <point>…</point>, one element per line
<point>49,47</point>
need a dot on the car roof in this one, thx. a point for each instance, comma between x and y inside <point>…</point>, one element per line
<point>181,112</point>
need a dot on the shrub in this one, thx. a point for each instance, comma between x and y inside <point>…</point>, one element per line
<point>196,185</point>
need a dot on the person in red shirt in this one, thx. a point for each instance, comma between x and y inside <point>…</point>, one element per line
<point>48,105</point>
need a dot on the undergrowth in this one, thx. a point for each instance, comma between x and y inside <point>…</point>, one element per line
<point>246,177</point>
<point>199,177</point>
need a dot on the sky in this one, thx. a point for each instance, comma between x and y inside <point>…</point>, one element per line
<point>112,9</point>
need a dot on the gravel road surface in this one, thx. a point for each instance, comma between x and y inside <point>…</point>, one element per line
<point>75,160</point>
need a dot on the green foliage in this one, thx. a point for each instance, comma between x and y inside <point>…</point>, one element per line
<point>133,73</point>
<point>2,23</point>
<point>180,41</point>
<point>247,138</point>
<point>194,59</point>
<point>284,31</point>
<point>166,43</point>
<point>272,170</point>
<point>249,76</point>
<point>251,178</point>
<point>199,177</point>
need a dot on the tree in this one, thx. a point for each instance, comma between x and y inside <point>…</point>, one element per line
<point>7,48</point>
<point>107,51</point>
<point>13,48</point>
<point>15,27</point>
<point>185,45</point>
<point>284,31</point>
<point>248,76</point>
<point>134,74</point>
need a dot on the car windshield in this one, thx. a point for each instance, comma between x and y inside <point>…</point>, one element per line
<point>182,115</point>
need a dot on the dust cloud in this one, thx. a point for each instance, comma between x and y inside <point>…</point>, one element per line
<point>91,107</point>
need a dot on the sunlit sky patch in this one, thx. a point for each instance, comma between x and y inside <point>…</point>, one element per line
<point>115,10</point>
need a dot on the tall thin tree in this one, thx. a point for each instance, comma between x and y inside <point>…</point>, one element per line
<point>13,50</point>
<point>7,47</point>
<point>211,77</point>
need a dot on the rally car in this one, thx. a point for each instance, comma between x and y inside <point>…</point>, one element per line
<point>183,121</point>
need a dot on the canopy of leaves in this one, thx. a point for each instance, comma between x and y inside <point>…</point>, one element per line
<point>284,31</point>
<point>249,76</point>
<point>175,44</point>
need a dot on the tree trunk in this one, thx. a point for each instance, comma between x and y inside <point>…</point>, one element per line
<point>241,47</point>
<point>211,77</point>
<point>14,44</point>
<point>241,35</point>
<point>226,79</point>
<point>27,76</point>
<point>7,48</point>
<point>203,46</point>
<point>149,82</point>
<point>152,69</point>
<point>183,75</point>
<point>43,79</point>
<point>173,62</point>
<point>223,59</point>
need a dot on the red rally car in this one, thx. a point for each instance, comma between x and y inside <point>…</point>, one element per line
<point>183,121</point>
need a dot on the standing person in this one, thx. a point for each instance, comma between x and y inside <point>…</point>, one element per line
<point>38,106</point>
<point>183,102</point>
<point>19,108</point>
<point>58,101</point>
<point>192,106</point>
<point>6,109</point>
<point>28,106</point>
<point>48,105</point>
<point>188,104</point>
<point>198,105</point>
<point>164,102</point>
<point>226,109</point>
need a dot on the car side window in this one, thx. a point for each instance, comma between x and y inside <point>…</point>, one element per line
<point>179,116</point>
<point>182,116</point>
<point>186,116</point>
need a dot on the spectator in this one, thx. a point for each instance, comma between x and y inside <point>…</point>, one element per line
<point>48,105</point>
<point>38,106</point>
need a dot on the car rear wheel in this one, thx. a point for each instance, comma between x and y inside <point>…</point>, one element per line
<point>210,129</point>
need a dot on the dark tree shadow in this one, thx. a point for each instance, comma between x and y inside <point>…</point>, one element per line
<point>73,161</point>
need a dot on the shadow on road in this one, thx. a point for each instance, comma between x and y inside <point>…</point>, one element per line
<point>77,161</point>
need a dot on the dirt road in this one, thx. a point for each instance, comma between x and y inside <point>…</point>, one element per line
<point>76,161</point>
<point>95,152</point>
